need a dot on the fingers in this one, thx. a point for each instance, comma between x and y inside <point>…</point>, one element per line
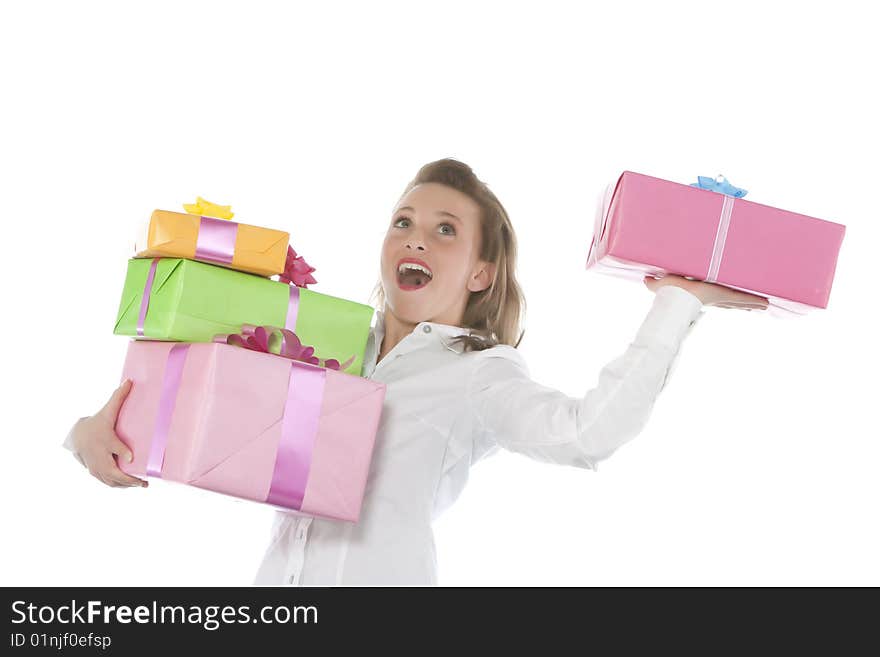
<point>653,283</point>
<point>750,301</point>
<point>729,299</point>
<point>120,480</point>
<point>99,454</point>
<point>111,408</point>
<point>114,474</point>
<point>120,449</point>
<point>741,305</point>
<point>109,474</point>
<point>107,481</point>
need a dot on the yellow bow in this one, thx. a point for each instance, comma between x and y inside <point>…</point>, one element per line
<point>208,209</point>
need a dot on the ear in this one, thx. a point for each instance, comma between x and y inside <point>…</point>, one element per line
<point>483,275</point>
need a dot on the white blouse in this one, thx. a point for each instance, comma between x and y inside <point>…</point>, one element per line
<point>444,410</point>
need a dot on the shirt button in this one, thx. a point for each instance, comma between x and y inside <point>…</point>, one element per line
<point>426,329</point>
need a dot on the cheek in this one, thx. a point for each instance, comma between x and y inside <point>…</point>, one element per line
<point>390,248</point>
<point>458,254</point>
<point>387,248</point>
<point>455,265</point>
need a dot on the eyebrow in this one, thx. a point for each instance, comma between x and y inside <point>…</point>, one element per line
<point>443,213</point>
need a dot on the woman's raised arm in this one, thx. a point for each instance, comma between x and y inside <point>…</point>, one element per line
<point>524,416</point>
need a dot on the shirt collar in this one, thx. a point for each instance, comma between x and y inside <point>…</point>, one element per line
<point>437,329</point>
<point>424,332</point>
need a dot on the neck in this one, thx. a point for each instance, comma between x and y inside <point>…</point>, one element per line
<point>395,331</point>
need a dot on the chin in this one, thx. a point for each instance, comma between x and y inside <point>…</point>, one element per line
<point>407,308</point>
<point>405,311</point>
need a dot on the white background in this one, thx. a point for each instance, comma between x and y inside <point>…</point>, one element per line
<point>759,463</point>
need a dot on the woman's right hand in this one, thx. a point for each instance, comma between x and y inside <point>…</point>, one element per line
<point>95,443</point>
<point>710,294</point>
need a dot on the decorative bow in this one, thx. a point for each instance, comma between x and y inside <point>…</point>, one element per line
<point>720,185</point>
<point>208,209</point>
<point>297,270</point>
<point>280,342</point>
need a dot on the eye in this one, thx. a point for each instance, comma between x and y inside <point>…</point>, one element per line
<point>450,227</point>
<point>399,219</point>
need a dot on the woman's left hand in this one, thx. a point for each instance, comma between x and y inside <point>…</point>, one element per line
<point>711,294</point>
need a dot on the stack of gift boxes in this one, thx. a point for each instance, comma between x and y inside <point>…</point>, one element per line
<point>242,384</point>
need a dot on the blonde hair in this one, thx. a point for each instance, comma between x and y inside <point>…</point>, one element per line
<point>494,315</point>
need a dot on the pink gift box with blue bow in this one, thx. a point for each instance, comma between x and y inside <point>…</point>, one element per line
<point>707,231</point>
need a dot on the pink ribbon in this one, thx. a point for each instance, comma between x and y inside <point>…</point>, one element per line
<point>145,297</point>
<point>292,309</point>
<point>297,273</point>
<point>167,399</point>
<point>216,243</point>
<point>299,425</point>
<point>305,395</point>
<point>302,410</point>
<point>299,429</point>
<point>296,270</point>
<point>258,338</point>
<point>216,240</point>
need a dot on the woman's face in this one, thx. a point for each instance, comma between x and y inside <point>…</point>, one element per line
<point>438,228</point>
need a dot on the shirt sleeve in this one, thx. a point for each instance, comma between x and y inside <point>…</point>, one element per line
<point>524,416</point>
<point>68,444</point>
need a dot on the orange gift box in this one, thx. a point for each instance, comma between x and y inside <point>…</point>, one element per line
<point>222,242</point>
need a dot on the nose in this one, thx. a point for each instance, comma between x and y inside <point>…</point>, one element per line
<point>415,241</point>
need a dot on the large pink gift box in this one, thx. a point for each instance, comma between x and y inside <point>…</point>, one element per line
<point>647,225</point>
<point>253,425</point>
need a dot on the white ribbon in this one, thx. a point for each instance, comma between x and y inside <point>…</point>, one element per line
<point>720,238</point>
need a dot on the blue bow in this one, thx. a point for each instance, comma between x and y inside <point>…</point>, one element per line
<point>720,186</point>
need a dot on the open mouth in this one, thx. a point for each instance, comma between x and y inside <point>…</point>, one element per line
<point>413,274</point>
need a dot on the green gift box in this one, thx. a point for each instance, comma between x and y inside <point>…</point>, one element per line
<point>190,301</point>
